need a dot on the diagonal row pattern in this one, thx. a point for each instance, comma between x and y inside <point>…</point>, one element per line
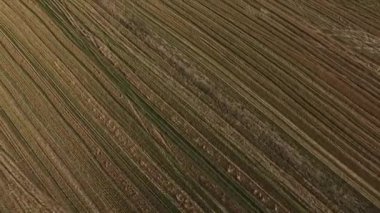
<point>190,106</point>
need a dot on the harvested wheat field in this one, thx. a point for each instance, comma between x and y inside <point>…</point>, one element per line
<point>189,106</point>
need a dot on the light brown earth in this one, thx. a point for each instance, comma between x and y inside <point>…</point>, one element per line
<point>190,106</point>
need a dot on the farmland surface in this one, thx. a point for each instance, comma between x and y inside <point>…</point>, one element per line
<point>189,106</point>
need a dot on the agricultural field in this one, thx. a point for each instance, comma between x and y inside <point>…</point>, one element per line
<point>189,106</point>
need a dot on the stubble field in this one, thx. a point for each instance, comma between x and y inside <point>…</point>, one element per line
<point>189,106</point>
